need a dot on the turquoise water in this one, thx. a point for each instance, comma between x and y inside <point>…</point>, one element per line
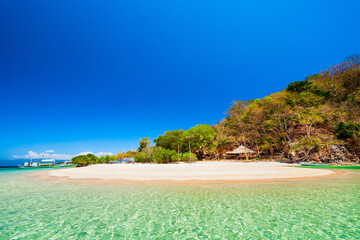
<point>32,208</point>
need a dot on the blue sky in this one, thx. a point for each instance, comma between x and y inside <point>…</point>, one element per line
<point>79,76</point>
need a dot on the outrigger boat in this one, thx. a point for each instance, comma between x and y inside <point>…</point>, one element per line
<point>285,160</point>
<point>313,165</point>
<point>45,163</point>
<point>67,164</point>
<point>330,166</point>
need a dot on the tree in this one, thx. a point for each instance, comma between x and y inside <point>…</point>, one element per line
<point>143,144</point>
<point>347,130</point>
<point>106,159</point>
<point>142,157</point>
<point>162,155</point>
<point>84,160</point>
<point>200,138</point>
<point>306,144</point>
<point>299,86</point>
<point>172,140</point>
<point>308,118</point>
<point>187,157</point>
<point>123,155</point>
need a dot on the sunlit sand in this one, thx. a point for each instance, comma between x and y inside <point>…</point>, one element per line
<point>216,171</point>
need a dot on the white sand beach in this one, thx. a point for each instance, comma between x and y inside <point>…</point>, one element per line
<point>211,171</point>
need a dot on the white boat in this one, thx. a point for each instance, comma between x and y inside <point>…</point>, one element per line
<point>45,163</point>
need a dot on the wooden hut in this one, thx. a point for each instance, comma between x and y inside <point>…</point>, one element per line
<point>241,152</point>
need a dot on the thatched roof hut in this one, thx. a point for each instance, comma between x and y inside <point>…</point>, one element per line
<point>241,150</point>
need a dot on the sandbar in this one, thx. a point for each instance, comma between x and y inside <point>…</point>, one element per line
<point>199,172</point>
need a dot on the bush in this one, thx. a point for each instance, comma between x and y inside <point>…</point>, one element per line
<point>84,160</point>
<point>162,155</point>
<point>106,159</point>
<point>142,157</point>
<point>299,86</point>
<point>176,157</point>
<point>347,130</point>
<point>186,157</point>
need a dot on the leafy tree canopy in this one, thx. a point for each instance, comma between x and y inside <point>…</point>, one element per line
<point>299,86</point>
<point>143,143</point>
<point>84,160</point>
<point>200,138</point>
<point>347,130</point>
<point>172,140</point>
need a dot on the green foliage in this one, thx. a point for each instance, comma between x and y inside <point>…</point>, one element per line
<point>321,93</point>
<point>347,130</point>
<point>311,77</point>
<point>162,155</point>
<point>142,157</point>
<point>305,109</point>
<point>187,157</point>
<point>306,144</point>
<point>84,160</point>
<point>200,138</point>
<point>123,155</point>
<point>300,117</point>
<point>143,143</point>
<point>106,159</point>
<point>172,140</point>
<point>299,86</point>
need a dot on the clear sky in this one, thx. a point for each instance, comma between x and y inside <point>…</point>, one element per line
<point>79,76</point>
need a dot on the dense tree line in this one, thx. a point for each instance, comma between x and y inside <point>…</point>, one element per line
<point>308,115</point>
<point>85,160</point>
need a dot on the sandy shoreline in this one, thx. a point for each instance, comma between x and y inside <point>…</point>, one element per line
<point>200,172</point>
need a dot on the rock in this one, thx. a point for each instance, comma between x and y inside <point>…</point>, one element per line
<point>337,154</point>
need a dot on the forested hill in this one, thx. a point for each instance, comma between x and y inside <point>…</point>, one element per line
<point>316,119</point>
<point>313,118</point>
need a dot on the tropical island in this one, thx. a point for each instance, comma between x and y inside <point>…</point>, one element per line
<point>179,120</point>
<point>314,120</point>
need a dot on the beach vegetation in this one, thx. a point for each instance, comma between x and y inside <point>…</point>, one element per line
<point>85,160</point>
<point>302,117</point>
<point>105,159</point>
<point>163,155</point>
<point>124,155</point>
<point>189,157</point>
<point>173,140</point>
<point>142,157</point>
<point>144,143</point>
<point>347,130</point>
<point>198,139</point>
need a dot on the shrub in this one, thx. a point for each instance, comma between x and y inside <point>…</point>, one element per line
<point>142,157</point>
<point>186,157</point>
<point>347,130</point>
<point>162,155</point>
<point>299,86</point>
<point>106,159</point>
<point>84,160</point>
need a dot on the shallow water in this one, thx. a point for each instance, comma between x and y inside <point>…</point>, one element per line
<point>32,208</point>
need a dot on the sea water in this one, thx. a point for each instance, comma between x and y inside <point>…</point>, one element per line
<point>33,208</point>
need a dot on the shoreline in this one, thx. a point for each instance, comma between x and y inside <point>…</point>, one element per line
<point>199,173</point>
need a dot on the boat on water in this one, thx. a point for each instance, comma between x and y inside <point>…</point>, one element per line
<point>313,165</point>
<point>331,166</point>
<point>67,164</point>
<point>285,160</point>
<point>45,163</point>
